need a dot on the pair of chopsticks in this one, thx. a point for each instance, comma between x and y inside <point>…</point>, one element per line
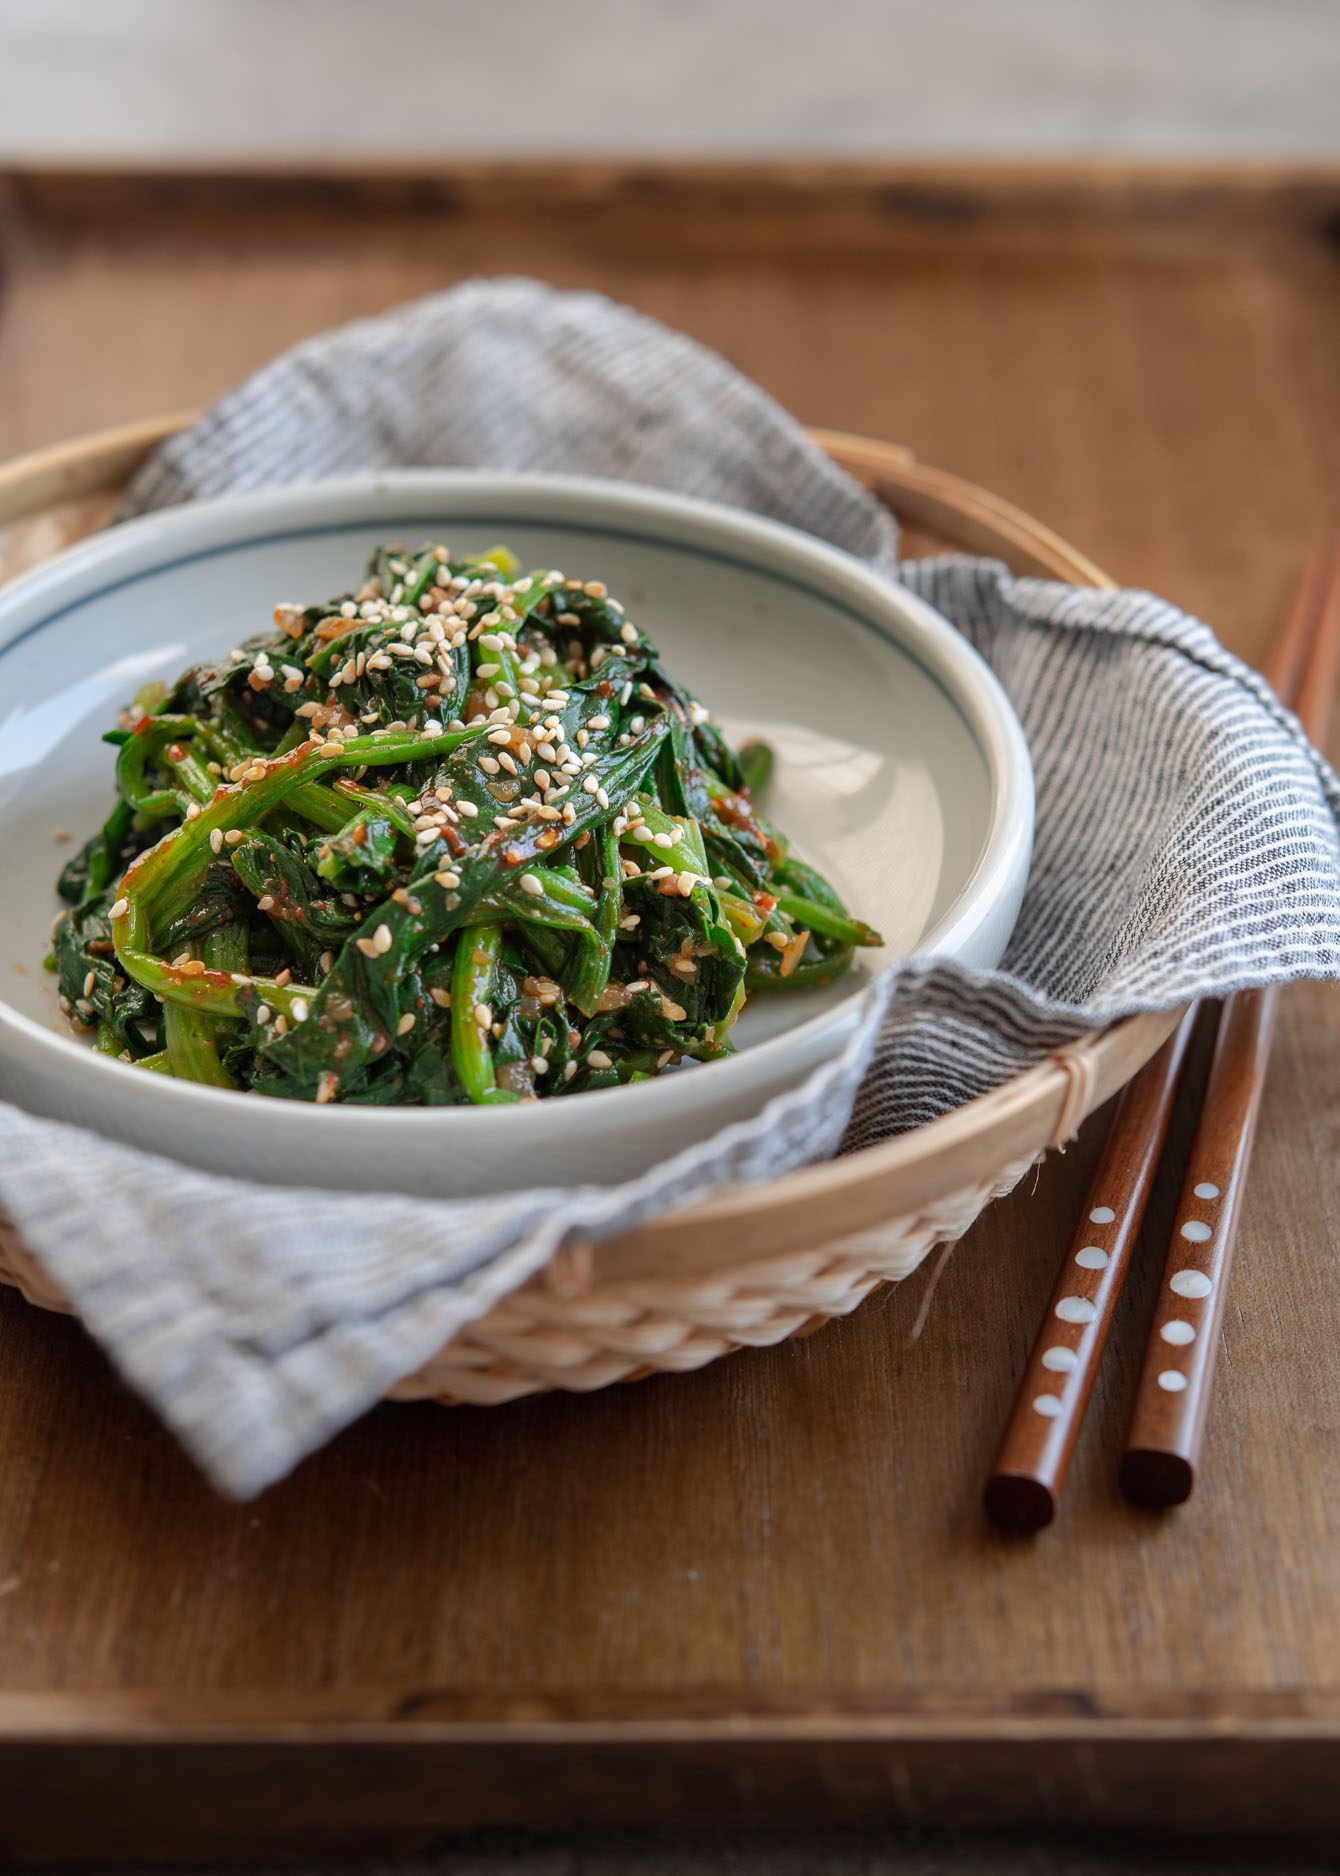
<point>1163,1444</point>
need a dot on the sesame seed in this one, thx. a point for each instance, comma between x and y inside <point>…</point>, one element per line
<point>483,1015</point>
<point>570,1069</point>
<point>119,910</point>
<point>216,839</point>
<point>327,1083</point>
<point>447,879</point>
<point>468,809</point>
<point>406,1023</point>
<point>264,1013</point>
<point>300,1009</point>
<point>598,723</point>
<point>686,883</point>
<point>598,1059</point>
<point>628,633</point>
<point>539,1065</point>
<point>366,946</point>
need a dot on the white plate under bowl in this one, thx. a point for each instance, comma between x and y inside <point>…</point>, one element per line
<point>901,773</point>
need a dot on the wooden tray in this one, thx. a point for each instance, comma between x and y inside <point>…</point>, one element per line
<point>755,1264</point>
<point>764,1590</point>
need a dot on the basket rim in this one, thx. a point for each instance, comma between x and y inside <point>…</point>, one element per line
<point>832,1198</point>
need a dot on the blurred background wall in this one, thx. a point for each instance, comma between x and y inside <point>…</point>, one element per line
<point>342,80</point>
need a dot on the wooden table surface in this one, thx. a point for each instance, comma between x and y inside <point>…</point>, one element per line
<point>765,1589</point>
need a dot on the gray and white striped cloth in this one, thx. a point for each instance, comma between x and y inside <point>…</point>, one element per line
<point>1187,845</point>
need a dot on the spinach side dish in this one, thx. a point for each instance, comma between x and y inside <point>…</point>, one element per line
<point>457,837</point>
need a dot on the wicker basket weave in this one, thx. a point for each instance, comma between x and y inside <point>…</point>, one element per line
<point>753,1265</point>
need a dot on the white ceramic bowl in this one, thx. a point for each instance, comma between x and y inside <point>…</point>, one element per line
<point>901,772</point>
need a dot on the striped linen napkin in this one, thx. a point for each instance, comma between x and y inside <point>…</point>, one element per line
<point>1187,846</point>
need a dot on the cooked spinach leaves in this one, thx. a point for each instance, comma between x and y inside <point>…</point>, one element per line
<point>457,837</point>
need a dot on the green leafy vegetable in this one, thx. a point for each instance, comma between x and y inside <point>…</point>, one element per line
<point>456,837</point>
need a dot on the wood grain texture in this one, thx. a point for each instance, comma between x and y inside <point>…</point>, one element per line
<point>802,1524</point>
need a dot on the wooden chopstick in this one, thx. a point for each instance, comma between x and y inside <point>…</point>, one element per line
<point>1030,1469</point>
<point>1163,1445</point>
<point>1025,1485</point>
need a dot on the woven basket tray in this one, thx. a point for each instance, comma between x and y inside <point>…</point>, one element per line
<point>754,1264</point>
